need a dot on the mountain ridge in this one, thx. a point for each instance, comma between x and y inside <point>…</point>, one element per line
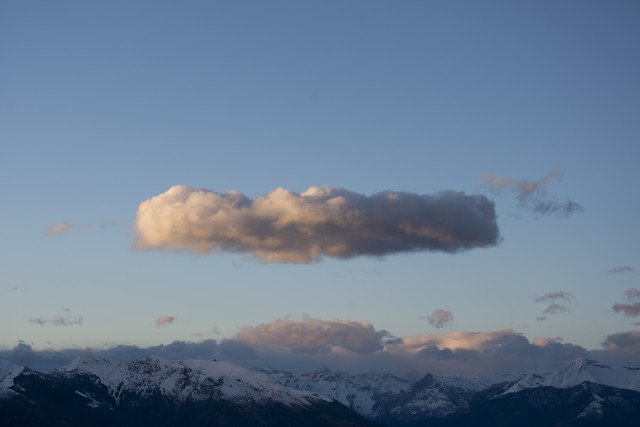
<point>205,392</point>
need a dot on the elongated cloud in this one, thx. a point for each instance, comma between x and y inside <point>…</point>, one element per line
<point>628,309</point>
<point>67,319</point>
<point>284,226</point>
<point>532,195</point>
<point>314,343</point>
<point>440,318</point>
<point>164,321</point>
<point>554,308</point>
<point>62,227</point>
<point>624,342</point>
<point>620,269</point>
<point>632,309</point>
<point>632,294</point>
<point>313,335</point>
<point>554,296</point>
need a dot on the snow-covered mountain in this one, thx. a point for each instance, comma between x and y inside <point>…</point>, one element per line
<point>8,371</point>
<point>580,371</point>
<point>155,391</point>
<point>189,379</point>
<point>389,399</point>
<point>383,397</point>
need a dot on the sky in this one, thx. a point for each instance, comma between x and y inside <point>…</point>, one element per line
<point>442,186</point>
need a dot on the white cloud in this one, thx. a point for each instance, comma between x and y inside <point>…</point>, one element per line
<point>284,226</point>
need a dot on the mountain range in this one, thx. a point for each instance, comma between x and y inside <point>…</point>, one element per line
<point>155,391</point>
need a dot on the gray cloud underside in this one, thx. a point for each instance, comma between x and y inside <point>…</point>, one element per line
<point>284,226</point>
<point>439,318</point>
<point>507,352</point>
<point>309,344</point>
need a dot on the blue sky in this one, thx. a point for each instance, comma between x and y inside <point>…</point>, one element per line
<point>106,105</point>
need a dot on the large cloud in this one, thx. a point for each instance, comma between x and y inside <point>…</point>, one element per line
<point>314,335</point>
<point>284,226</point>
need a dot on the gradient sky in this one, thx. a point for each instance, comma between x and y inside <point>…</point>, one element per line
<point>104,105</point>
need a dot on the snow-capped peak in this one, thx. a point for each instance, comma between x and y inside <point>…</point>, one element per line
<point>579,371</point>
<point>192,379</point>
<point>8,371</point>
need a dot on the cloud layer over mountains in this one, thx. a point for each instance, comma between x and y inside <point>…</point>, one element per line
<point>287,227</point>
<point>308,344</point>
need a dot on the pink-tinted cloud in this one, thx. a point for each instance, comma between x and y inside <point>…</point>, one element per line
<point>628,309</point>
<point>632,309</point>
<point>453,341</point>
<point>554,307</point>
<point>314,335</point>
<point>532,195</point>
<point>440,318</point>
<point>164,321</point>
<point>522,187</point>
<point>284,226</point>
<point>632,294</point>
<point>624,342</point>
<point>67,319</point>
<point>546,341</point>
<point>62,227</point>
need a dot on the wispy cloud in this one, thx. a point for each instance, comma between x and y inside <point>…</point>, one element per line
<point>532,195</point>
<point>554,307</point>
<point>439,318</point>
<point>110,223</point>
<point>620,269</point>
<point>628,309</point>
<point>164,321</point>
<point>62,227</point>
<point>632,294</point>
<point>284,226</point>
<point>632,309</point>
<point>66,319</point>
<point>554,296</point>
